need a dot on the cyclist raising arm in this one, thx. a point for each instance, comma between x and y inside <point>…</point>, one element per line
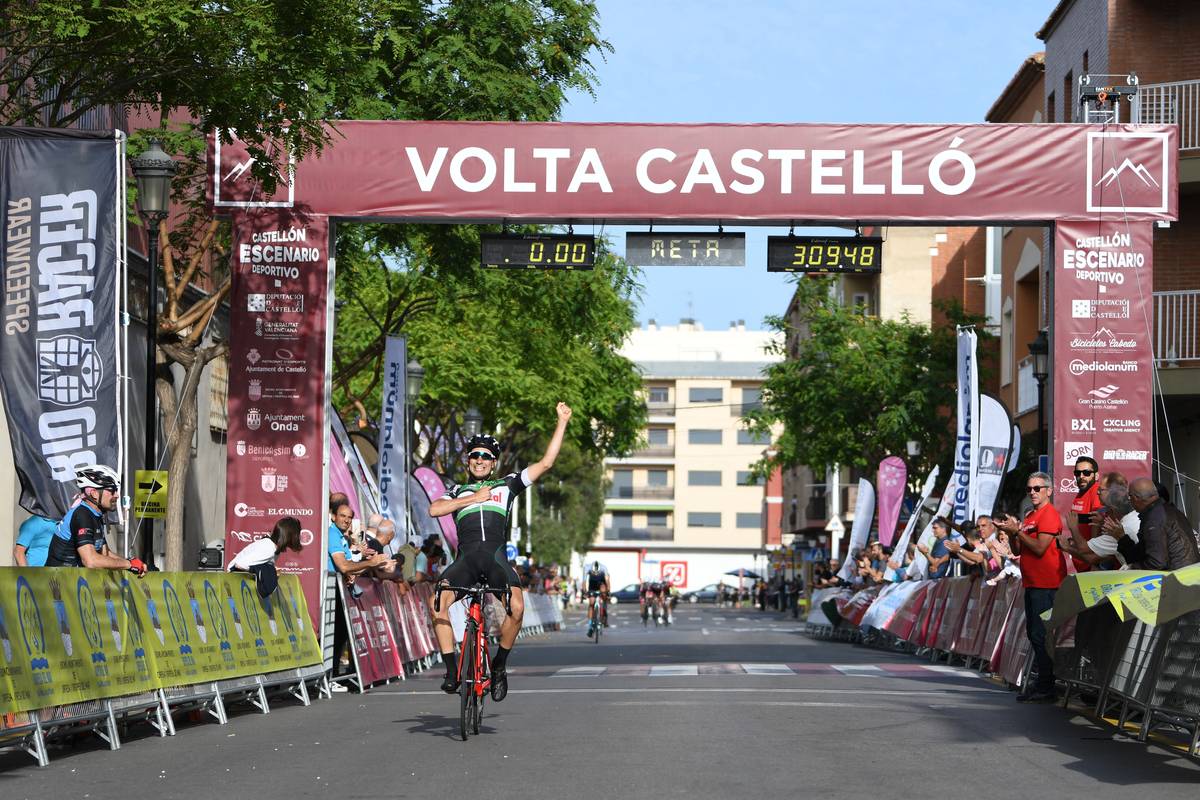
<point>481,508</point>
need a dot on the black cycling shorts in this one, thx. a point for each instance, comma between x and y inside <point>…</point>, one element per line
<point>481,564</point>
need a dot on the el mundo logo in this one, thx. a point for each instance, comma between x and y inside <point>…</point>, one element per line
<point>1127,171</point>
<point>69,370</point>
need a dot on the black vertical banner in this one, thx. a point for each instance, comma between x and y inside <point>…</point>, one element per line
<point>58,329</point>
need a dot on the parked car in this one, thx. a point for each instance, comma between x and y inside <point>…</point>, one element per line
<point>705,594</point>
<point>627,595</point>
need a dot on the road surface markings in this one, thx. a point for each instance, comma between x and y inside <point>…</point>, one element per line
<point>962,673</point>
<point>857,669</point>
<point>940,694</point>
<point>767,669</point>
<point>669,670</point>
<point>579,672</point>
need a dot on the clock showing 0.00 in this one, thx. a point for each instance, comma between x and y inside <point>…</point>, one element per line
<point>537,251</point>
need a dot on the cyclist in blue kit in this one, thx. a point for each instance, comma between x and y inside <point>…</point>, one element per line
<point>481,508</point>
<point>79,539</point>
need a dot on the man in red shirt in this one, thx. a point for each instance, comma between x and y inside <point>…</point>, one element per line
<point>1087,502</point>
<point>1042,571</point>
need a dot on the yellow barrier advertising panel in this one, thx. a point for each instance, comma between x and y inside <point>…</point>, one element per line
<point>68,635</point>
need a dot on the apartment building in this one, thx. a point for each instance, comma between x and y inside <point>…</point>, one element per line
<point>683,505</point>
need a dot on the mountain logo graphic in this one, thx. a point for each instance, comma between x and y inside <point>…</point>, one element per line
<point>1105,333</point>
<point>1143,174</point>
<point>1104,392</point>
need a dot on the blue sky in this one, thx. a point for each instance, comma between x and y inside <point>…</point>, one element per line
<point>799,61</point>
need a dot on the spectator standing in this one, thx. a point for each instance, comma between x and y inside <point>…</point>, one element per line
<point>1042,572</point>
<point>33,541</point>
<point>939,554</point>
<point>1165,539</point>
<point>1085,506</point>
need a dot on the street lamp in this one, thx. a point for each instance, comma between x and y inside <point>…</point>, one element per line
<point>1039,348</point>
<point>472,422</point>
<point>153,171</point>
<point>414,374</point>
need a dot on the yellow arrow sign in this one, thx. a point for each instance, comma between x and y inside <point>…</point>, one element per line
<point>150,493</point>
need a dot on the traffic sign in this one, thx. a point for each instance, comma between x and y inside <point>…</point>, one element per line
<point>835,526</point>
<point>150,493</point>
<point>510,551</point>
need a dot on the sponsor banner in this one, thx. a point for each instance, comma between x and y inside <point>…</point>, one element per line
<point>816,614</point>
<point>992,455</point>
<point>864,513</point>
<point>393,433</point>
<point>905,619</point>
<point>893,473</point>
<point>376,655</point>
<point>902,543</point>
<point>966,442</point>
<point>62,218</point>
<point>362,478</point>
<point>888,603</point>
<point>277,414</point>
<point>69,635</point>
<point>957,604</point>
<point>855,608</point>
<point>434,487</point>
<point>1103,357</point>
<point>557,170</point>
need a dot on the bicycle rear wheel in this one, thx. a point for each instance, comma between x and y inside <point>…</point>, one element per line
<point>466,689</point>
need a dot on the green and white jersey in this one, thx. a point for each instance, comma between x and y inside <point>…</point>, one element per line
<point>487,522</point>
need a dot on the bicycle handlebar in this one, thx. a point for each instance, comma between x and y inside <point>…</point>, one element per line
<point>478,589</point>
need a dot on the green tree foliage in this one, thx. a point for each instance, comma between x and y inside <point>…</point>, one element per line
<point>282,73</point>
<point>567,506</point>
<point>859,387</point>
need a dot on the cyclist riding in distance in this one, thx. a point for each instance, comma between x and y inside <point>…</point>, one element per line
<point>79,540</point>
<point>481,508</point>
<point>597,581</point>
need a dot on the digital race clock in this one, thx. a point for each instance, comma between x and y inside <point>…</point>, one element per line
<point>824,254</point>
<point>537,251</point>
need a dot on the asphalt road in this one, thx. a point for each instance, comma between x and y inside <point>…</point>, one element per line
<point>725,703</point>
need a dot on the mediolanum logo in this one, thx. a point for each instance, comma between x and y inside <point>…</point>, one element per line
<point>1081,367</point>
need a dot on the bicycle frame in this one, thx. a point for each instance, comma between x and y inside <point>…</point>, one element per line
<point>477,675</point>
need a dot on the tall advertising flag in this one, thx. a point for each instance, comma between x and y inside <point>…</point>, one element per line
<point>966,441</point>
<point>864,513</point>
<point>61,210</point>
<point>902,543</point>
<point>1014,454</point>
<point>991,457</point>
<point>393,443</point>
<point>893,473</point>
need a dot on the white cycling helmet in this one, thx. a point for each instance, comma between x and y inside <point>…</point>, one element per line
<point>97,476</point>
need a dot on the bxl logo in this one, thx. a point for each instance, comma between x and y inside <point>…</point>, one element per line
<point>1083,425</point>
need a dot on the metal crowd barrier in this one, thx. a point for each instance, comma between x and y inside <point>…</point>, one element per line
<point>1144,678</point>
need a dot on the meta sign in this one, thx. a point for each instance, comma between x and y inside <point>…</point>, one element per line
<point>686,249</point>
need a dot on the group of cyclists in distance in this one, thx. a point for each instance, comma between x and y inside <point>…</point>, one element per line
<point>656,599</point>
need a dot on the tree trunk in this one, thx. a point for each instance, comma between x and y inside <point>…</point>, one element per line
<point>179,409</point>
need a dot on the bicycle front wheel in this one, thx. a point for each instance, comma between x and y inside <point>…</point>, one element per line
<point>466,689</point>
<point>598,626</point>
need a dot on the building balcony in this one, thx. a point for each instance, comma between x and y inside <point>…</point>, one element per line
<point>641,493</point>
<point>741,409</point>
<point>654,451</point>
<point>1175,103</point>
<point>655,534</point>
<point>1177,328</point>
<point>660,409</point>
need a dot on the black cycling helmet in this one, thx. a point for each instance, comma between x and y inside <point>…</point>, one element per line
<point>486,441</point>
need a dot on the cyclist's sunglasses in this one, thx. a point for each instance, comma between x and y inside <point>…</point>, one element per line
<point>482,455</point>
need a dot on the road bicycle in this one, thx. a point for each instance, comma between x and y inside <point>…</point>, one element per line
<point>474,672</point>
<point>599,616</point>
